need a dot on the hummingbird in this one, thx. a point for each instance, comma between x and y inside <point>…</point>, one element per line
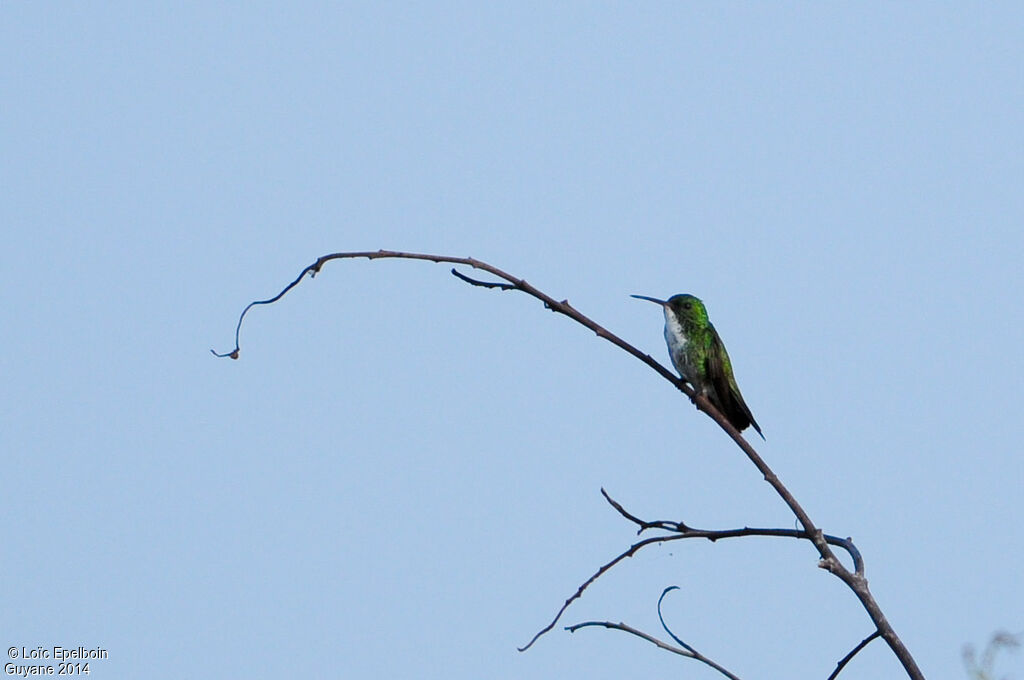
<point>698,354</point>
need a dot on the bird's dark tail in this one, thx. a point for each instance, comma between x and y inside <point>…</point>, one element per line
<point>736,411</point>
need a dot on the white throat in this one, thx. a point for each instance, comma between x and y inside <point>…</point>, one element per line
<point>676,338</point>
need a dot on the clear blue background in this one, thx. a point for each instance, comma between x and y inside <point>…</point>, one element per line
<point>400,477</point>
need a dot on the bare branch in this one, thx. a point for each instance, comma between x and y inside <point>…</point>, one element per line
<point>633,549</point>
<point>854,580</point>
<point>633,631</point>
<point>562,307</point>
<point>681,531</point>
<point>655,641</point>
<point>715,534</point>
<point>853,652</point>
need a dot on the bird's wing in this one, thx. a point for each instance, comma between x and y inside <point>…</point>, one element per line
<point>730,400</point>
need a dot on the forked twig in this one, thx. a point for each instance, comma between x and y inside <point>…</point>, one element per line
<point>679,531</point>
<point>716,534</point>
<point>656,642</point>
<point>683,649</point>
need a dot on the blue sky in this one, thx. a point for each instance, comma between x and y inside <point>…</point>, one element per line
<point>400,477</point>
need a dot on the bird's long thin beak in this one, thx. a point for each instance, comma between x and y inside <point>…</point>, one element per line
<point>649,299</point>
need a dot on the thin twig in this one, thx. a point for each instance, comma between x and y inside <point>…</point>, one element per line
<point>853,652</point>
<point>482,284</point>
<point>633,549</point>
<point>665,625</point>
<point>643,524</point>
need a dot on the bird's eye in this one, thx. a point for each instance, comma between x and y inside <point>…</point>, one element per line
<point>687,305</point>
